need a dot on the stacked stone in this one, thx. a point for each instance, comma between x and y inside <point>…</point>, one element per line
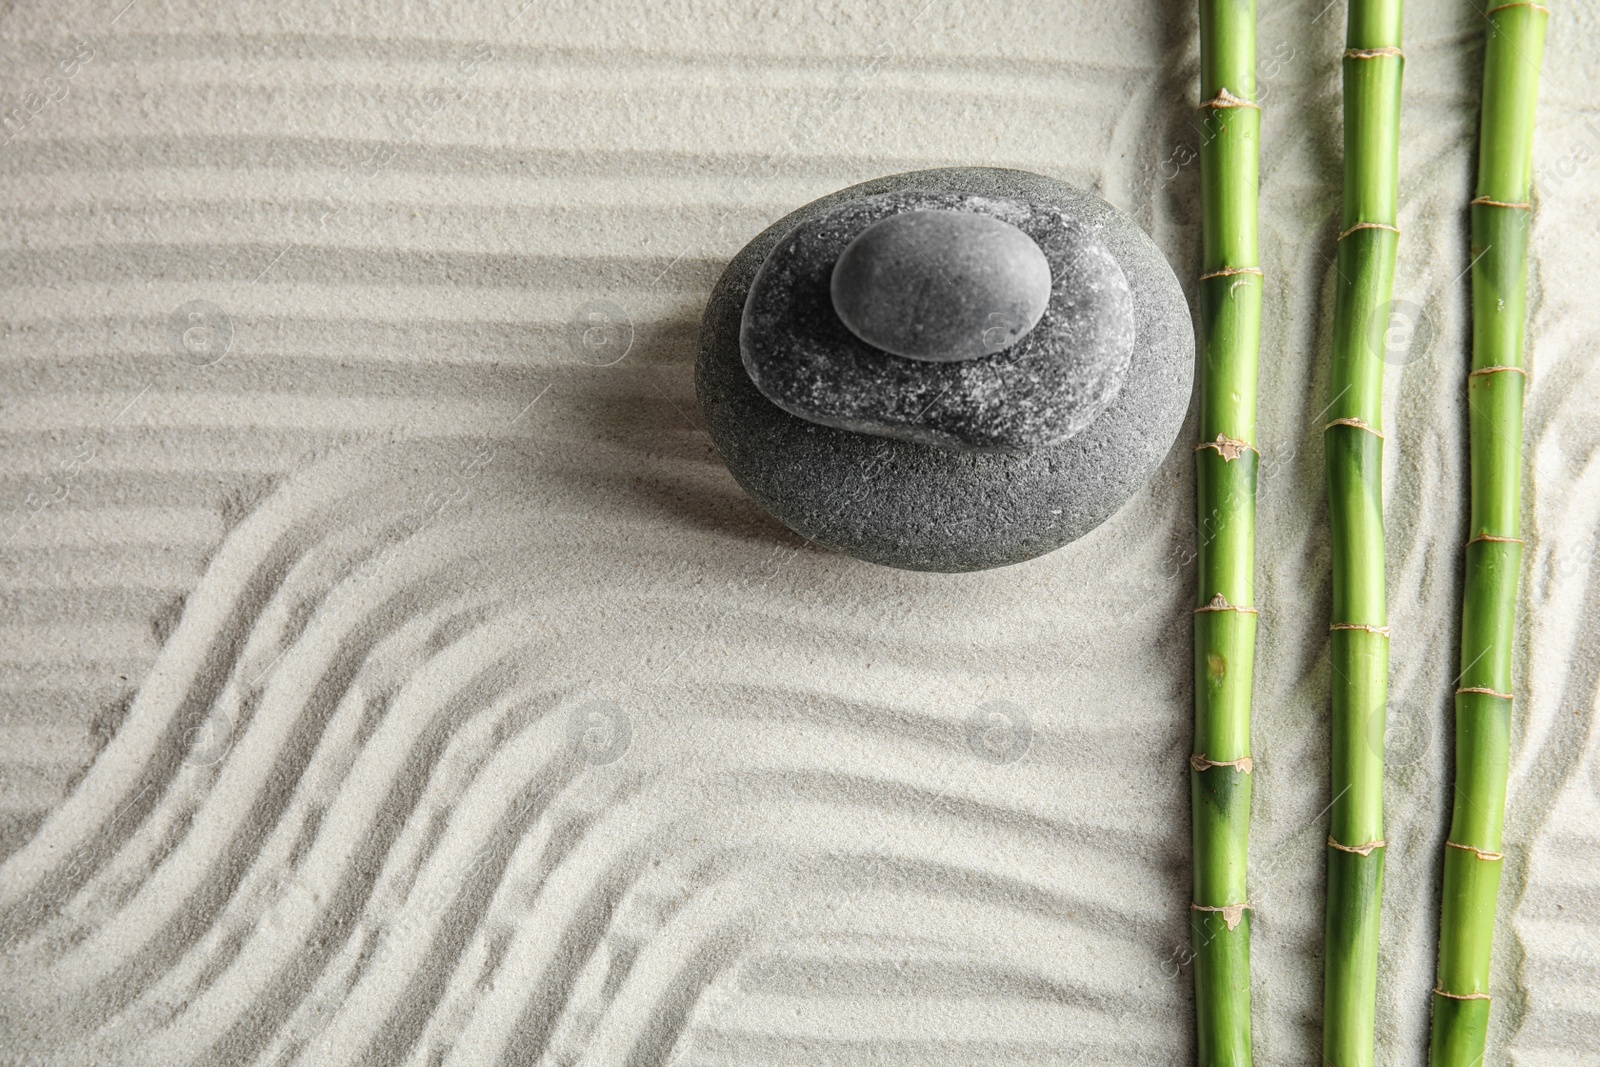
<point>946,370</point>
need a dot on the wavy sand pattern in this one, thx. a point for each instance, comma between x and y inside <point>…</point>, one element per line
<point>413,781</point>
<point>406,687</point>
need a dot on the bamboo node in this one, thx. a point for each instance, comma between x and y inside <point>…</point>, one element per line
<point>1242,765</point>
<point>1515,205</point>
<point>1381,631</point>
<point>1359,424</point>
<point>1438,991</point>
<point>1231,913</point>
<point>1485,692</point>
<point>1229,448</point>
<point>1481,853</point>
<point>1368,226</point>
<point>1227,99</point>
<point>1373,53</point>
<point>1227,272</point>
<point>1499,540</point>
<point>1498,369</point>
<point>1220,603</point>
<point>1360,850</point>
<point>1519,3</point>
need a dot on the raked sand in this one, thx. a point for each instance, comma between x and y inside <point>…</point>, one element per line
<point>405,686</point>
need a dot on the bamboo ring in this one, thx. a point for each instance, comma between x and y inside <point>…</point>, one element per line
<point>1517,205</point>
<point>1228,271</point>
<point>1359,424</point>
<point>1381,631</point>
<point>1368,226</point>
<point>1359,850</point>
<point>1499,540</point>
<point>1438,992</point>
<point>1242,765</point>
<point>1483,691</point>
<point>1231,913</point>
<point>1497,369</point>
<point>1229,448</point>
<point>1227,99</point>
<point>1519,3</point>
<point>1481,853</point>
<point>1372,53</point>
<point>1220,603</point>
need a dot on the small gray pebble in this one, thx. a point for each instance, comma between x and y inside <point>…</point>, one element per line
<point>941,285</point>
<point>909,505</point>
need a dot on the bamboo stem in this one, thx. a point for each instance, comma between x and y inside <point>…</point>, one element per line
<point>1225,472</point>
<point>1500,216</point>
<point>1353,441</point>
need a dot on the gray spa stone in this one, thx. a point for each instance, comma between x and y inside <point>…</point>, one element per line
<point>919,507</point>
<point>940,285</point>
<point>1038,391</point>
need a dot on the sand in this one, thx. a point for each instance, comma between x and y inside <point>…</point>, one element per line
<point>389,679</point>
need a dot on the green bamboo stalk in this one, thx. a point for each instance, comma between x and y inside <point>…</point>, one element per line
<point>1500,215</point>
<point>1353,443</point>
<point>1225,475</point>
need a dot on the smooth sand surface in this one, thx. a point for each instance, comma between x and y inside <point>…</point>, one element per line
<point>388,678</point>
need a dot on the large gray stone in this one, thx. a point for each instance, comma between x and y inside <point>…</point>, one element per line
<point>928,508</point>
<point>1039,390</point>
<point>940,285</point>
